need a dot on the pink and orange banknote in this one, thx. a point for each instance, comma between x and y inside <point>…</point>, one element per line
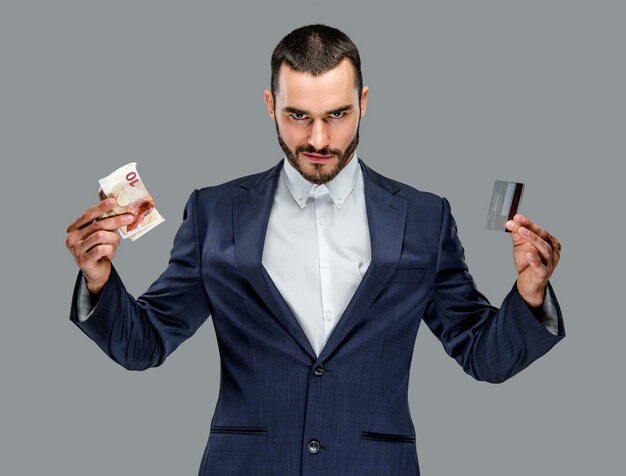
<point>132,197</point>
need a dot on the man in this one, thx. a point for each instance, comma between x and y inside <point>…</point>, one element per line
<point>317,274</point>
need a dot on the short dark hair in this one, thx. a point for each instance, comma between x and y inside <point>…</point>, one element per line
<point>315,49</point>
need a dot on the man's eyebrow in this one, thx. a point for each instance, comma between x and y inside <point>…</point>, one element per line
<point>295,110</point>
<point>345,108</point>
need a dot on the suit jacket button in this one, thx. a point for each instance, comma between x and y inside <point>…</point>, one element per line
<point>319,370</point>
<point>314,446</point>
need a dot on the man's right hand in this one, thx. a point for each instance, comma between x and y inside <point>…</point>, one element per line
<point>93,243</point>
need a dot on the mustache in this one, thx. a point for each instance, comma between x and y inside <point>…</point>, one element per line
<point>309,149</point>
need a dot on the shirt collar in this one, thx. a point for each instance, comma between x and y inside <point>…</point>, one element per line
<point>339,188</point>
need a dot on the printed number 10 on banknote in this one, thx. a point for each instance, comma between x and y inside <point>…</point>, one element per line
<point>131,195</point>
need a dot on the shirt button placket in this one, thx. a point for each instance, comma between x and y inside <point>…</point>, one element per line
<point>323,210</point>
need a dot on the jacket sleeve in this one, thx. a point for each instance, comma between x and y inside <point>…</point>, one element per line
<point>490,344</point>
<point>140,333</point>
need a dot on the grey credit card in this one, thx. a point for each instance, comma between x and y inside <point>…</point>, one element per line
<point>505,201</point>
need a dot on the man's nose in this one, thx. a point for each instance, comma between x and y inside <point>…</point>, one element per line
<point>319,137</point>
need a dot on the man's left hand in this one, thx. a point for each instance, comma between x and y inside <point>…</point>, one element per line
<point>536,253</point>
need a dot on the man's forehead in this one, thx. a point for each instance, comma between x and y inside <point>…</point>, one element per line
<point>326,91</point>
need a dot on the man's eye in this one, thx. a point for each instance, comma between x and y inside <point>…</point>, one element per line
<point>337,115</point>
<point>298,116</point>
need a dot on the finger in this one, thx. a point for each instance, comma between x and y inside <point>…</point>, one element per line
<point>101,237</point>
<point>531,225</point>
<point>106,224</point>
<point>91,214</point>
<point>100,251</point>
<point>76,238</point>
<point>541,232</point>
<point>556,244</point>
<point>556,251</point>
<point>541,246</point>
<point>541,270</point>
<point>90,258</point>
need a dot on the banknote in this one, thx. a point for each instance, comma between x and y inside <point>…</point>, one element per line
<point>131,195</point>
<point>505,201</point>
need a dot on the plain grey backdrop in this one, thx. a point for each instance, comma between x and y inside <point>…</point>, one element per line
<point>461,93</point>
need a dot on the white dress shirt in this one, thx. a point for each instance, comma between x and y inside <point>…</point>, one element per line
<point>317,246</point>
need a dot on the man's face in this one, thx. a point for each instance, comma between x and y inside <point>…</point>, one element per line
<point>317,119</point>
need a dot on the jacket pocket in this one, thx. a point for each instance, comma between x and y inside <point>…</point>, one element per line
<point>408,275</point>
<point>393,438</point>
<point>238,430</point>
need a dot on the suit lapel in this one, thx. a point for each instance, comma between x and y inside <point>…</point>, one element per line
<point>386,215</point>
<point>251,212</point>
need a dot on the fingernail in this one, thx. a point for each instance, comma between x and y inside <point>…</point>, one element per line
<point>127,219</point>
<point>531,256</point>
<point>524,231</point>
<point>509,224</point>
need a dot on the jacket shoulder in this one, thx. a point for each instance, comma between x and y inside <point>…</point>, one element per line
<point>227,190</point>
<point>406,191</point>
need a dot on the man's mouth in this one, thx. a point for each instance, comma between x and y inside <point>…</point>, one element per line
<point>313,157</point>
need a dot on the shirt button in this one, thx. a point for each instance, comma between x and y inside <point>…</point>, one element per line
<point>324,264</point>
<point>329,315</point>
<point>319,370</point>
<point>314,446</point>
<point>321,220</point>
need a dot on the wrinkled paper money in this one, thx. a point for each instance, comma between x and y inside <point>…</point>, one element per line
<point>127,188</point>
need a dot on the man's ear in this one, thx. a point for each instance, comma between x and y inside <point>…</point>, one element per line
<point>364,95</point>
<point>269,102</point>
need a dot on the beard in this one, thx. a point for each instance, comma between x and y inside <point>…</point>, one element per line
<point>318,176</point>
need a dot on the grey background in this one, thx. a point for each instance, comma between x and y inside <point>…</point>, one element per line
<point>461,93</point>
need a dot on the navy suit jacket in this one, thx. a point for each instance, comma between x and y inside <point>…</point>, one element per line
<point>282,410</point>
